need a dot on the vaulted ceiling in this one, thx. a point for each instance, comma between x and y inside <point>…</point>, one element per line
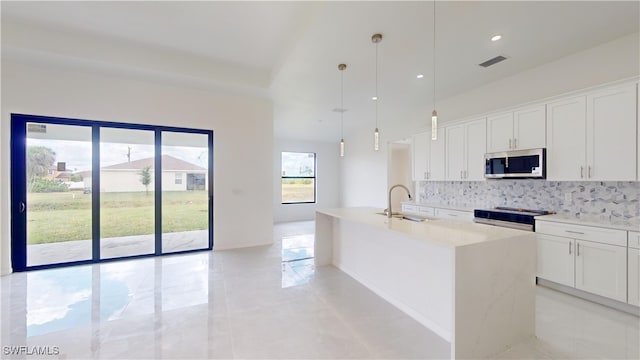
<point>289,51</point>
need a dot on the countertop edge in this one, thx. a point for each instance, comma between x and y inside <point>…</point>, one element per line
<point>631,226</point>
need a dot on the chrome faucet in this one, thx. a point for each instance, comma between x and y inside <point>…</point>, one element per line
<point>389,212</point>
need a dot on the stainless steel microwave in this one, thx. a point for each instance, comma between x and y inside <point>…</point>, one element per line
<point>522,164</point>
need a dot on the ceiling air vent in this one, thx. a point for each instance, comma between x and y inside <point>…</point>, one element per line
<point>493,61</point>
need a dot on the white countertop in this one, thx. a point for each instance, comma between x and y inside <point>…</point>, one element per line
<point>442,206</point>
<point>447,232</point>
<point>618,224</point>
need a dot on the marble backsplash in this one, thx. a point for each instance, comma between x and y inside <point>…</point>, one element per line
<point>603,200</point>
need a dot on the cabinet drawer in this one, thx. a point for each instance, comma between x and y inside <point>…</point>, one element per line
<point>409,208</point>
<point>589,233</point>
<point>426,211</point>
<point>454,214</point>
<point>634,239</point>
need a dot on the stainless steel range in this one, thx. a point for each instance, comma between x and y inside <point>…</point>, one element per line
<point>521,219</point>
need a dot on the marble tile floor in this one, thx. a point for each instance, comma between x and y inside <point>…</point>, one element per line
<point>249,303</point>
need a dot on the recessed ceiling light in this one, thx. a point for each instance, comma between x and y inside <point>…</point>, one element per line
<point>419,76</point>
<point>496,37</point>
<point>374,98</point>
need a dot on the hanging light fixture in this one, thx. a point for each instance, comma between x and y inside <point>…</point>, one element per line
<point>341,67</point>
<point>376,39</point>
<point>434,113</point>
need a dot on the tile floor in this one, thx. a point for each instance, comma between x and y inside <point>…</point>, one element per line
<point>263,302</point>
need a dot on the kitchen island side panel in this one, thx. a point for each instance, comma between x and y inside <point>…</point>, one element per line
<point>494,295</point>
<point>414,275</point>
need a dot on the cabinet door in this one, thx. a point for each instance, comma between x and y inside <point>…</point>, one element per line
<point>500,132</point>
<point>529,128</point>
<point>455,152</point>
<point>437,157</point>
<point>420,153</point>
<point>476,147</point>
<point>602,269</point>
<point>633,277</point>
<point>556,259</point>
<point>426,211</point>
<point>566,139</point>
<point>611,134</point>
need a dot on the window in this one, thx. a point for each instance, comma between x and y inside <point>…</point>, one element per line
<point>178,178</point>
<point>298,178</point>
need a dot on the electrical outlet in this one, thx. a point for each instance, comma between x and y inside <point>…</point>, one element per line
<point>567,197</point>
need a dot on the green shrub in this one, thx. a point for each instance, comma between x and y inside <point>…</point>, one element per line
<point>47,186</point>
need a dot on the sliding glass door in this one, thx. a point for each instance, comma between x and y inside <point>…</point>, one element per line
<point>185,195</point>
<point>127,200</point>
<point>58,210</point>
<point>87,191</point>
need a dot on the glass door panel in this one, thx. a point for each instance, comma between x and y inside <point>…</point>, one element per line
<point>127,200</point>
<point>58,166</point>
<point>185,194</point>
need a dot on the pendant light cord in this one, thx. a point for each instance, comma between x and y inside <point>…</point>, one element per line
<point>377,99</point>
<point>434,55</point>
<point>341,104</point>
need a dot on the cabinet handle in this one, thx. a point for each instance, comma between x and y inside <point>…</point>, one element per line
<point>461,174</point>
<point>509,143</point>
<point>515,143</point>
<point>570,246</point>
<point>574,232</point>
<point>589,172</point>
<point>454,215</point>
<point>578,249</point>
<point>425,175</point>
<point>581,172</point>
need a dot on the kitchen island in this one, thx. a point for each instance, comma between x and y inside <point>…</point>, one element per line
<point>472,284</point>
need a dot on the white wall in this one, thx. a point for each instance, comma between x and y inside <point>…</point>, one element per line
<point>243,136</point>
<point>400,173</point>
<point>364,172</point>
<point>327,179</point>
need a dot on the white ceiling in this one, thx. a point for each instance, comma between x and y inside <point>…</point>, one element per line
<point>300,44</point>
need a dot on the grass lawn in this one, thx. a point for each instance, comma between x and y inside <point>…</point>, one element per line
<point>297,192</point>
<point>56,217</point>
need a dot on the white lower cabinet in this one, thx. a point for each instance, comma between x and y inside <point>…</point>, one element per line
<point>633,270</point>
<point>556,259</point>
<point>602,269</point>
<point>407,208</point>
<point>597,265</point>
<point>454,214</point>
<point>426,211</point>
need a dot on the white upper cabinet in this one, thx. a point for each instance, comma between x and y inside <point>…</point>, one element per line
<point>529,127</point>
<point>428,156</point>
<point>611,134</point>
<point>476,141</point>
<point>420,149</point>
<point>517,130</point>
<point>500,132</point>
<point>455,152</point>
<point>437,157</point>
<point>593,137</point>
<point>566,139</point>
<point>466,146</point>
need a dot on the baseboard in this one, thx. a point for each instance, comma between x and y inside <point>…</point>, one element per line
<point>615,304</point>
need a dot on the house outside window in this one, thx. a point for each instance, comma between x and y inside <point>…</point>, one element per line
<point>298,177</point>
<point>178,178</point>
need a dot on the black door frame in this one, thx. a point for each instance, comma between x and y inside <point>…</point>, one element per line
<point>18,175</point>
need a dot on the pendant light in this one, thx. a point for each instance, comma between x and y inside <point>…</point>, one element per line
<point>376,39</point>
<point>434,113</point>
<point>341,67</point>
